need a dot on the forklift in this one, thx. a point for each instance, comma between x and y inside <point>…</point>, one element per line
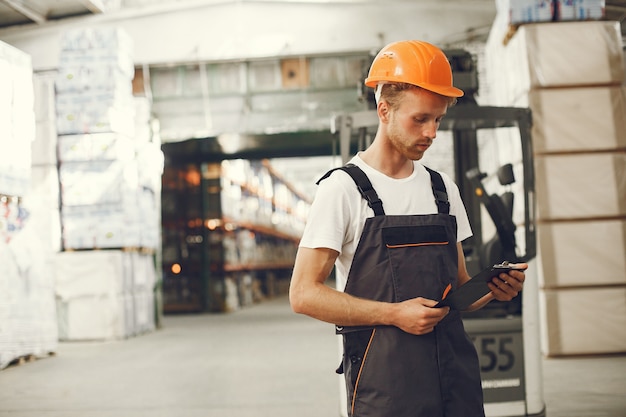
<point>498,192</point>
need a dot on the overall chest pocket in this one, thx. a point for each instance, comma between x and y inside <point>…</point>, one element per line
<point>421,260</point>
<point>398,237</point>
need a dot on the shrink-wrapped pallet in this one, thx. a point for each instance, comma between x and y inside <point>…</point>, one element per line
<point>581,186</point>
<point>28,325</point>
<point>578,119</point>
<point>584,321</point>
<point>582,253</point>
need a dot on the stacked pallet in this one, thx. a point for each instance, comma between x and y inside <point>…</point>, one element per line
<point>109,168</point>
<point>571,74</point>
<point>28,326</point>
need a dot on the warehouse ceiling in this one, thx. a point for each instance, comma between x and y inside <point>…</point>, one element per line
<point>23,12</point>
<point>38,13</point>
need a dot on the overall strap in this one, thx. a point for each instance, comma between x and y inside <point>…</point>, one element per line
<point>364,186</point>
<point>439,191</point>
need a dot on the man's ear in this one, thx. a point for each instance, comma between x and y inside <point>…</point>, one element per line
<point>383,110</point>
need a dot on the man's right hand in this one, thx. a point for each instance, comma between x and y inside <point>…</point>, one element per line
<point>417,316</point>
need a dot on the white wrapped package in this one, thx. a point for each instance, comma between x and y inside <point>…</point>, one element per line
<point>102,226</point>
<point>581,186</point>
<point>92,77</point>
<point>97,182</point>
<point>583,321</point>
<point>582,253</point>
<point>544,55</point>
<point>110,58</point>
<point>144,272</point>
<point>97,298</point>
<point>91,290</point>
<point>95,147</point>
<point>92,274</point>
<point>569,53</point>
<point>95,113</point>
<point>102,317</point>
<point>578,119</point>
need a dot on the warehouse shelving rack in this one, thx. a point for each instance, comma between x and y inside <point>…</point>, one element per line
<point>222,252</point>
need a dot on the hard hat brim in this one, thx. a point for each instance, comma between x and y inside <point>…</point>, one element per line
<point>443,90</point>
<point>447,91</point>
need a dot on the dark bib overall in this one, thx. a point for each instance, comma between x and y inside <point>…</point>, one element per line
<point>388,372</point>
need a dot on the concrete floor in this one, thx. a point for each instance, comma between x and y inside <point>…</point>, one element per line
<point>260,361</point>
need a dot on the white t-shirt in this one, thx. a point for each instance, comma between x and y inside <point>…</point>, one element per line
<point>338,212</point>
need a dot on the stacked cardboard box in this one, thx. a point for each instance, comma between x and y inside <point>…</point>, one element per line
<point>571,75</point>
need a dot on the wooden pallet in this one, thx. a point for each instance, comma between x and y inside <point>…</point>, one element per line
<point>512,29</point>
<point>24,359</point>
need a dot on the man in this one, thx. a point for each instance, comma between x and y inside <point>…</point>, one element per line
<point>396,243</point>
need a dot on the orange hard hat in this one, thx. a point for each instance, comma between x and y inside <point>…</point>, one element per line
<point>413,62</point>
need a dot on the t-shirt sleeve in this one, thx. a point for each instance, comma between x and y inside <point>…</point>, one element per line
<point>329,216</point>
<point>457,209</point>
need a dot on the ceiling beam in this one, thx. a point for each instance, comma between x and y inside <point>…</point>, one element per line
<point>25,10</point>
<point>618,8</point>
<point>94,6</point>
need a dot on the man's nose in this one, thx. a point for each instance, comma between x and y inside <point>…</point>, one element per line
<point>430,129</point>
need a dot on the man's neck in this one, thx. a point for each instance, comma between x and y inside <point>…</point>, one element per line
<point>389,163</point>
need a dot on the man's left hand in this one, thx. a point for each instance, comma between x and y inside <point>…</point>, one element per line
<point>507,286</point>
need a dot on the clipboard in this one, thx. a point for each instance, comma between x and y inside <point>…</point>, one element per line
<point>475,288</point>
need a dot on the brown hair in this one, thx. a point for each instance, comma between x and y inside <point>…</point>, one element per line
<point>392,92</point>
